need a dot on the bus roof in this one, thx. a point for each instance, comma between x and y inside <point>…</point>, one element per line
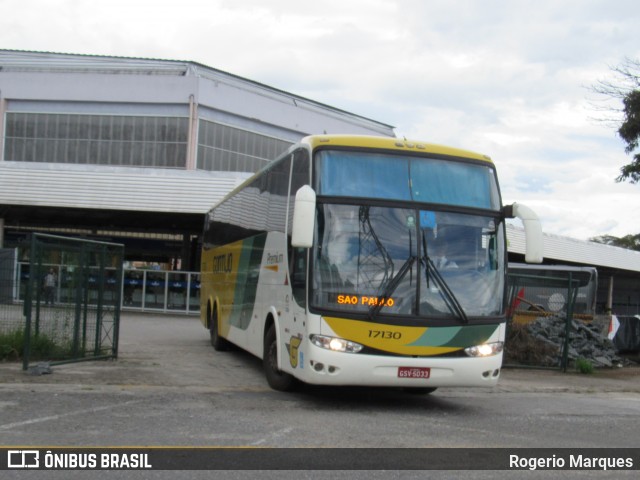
<point>389,143</point>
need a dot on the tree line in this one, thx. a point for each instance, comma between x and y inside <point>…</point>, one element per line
<point>625,87</point>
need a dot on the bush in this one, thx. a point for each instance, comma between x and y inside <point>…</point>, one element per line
<point>41,347</point>
<point>584,366</point>
<point>11,345</point>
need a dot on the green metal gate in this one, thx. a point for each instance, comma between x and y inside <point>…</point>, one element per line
<point>72,303</point>
<point>550,316</point>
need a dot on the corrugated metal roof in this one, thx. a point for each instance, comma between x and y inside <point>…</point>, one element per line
<point>566,249</point>
<point>25,61</point>
<point>136,189</point>
<point>30,61</point>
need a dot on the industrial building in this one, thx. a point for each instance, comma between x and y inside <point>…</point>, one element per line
<point>135,151</point>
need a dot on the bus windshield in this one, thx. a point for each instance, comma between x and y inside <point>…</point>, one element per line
<point>374,260</point>
<point>406,178</point>
<point>403,258</point>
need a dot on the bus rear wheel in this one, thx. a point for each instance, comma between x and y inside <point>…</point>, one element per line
<point>277,379</point>
<point>219,344</point>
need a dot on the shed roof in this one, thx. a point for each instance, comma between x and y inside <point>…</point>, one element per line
<point>566,249</point>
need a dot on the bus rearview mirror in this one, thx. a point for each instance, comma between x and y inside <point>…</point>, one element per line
<point>304,214</point>
<point>532,231</point>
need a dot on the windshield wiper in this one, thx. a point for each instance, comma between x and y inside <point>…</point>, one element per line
<point>391,287</point>
<point>449,297</point>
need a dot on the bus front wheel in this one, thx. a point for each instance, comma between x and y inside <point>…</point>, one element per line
<point>277,379</point>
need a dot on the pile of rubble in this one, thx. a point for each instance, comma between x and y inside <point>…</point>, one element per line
<point>541,343</point>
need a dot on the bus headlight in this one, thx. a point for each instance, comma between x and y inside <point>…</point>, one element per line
<point>336,344</point>
<point>484,350</point>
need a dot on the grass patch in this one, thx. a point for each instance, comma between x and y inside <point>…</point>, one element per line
<point>11,345</point>
<point>584,366</point>
<point>41,347</point>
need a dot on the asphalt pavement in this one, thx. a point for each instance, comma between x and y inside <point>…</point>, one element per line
<point>169,387</point>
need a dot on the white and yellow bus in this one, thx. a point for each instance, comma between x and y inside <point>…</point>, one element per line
<point>354,260</point>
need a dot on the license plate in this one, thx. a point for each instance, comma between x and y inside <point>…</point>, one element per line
<point>414,372</point>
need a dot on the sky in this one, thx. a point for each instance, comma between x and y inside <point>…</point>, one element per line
<point>509,79</point>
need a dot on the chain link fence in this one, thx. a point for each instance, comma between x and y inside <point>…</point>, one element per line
<point>71,301</point>
<point>11,318</point>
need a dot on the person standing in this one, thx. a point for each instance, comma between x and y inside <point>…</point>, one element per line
<point>49,287</point>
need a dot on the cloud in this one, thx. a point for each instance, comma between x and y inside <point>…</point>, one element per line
<point>506,78</point>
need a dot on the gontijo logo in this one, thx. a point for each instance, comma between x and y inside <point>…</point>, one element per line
<point>223,263</point>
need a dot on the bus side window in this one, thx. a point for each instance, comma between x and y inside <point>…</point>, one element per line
<point>298,274</point>
<point>300,175</point>
<point>492,256</point>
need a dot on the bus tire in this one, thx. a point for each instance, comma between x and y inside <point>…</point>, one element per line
<point>277,379</point>
<point>219,344</point>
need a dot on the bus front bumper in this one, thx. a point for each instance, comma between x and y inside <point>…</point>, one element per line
<point>325,367</point>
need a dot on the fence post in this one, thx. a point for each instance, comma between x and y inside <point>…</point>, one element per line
<point>78,300</point>
<point>27,306</point>
<point>36,278</point>
<point>569,322</point>
<point>100,306</point>
<point>117,303</point>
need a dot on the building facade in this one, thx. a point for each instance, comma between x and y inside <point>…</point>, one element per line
<point>136,150</point>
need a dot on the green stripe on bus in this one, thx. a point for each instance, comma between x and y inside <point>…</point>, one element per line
<point>247,281</point>
<point>459,336</point>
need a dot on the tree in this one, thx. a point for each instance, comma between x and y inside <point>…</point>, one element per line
<point>630,133</point>
<point>626,87</point>
<point>630,242</point>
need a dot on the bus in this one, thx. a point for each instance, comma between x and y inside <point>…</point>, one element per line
<point>364,261</point>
